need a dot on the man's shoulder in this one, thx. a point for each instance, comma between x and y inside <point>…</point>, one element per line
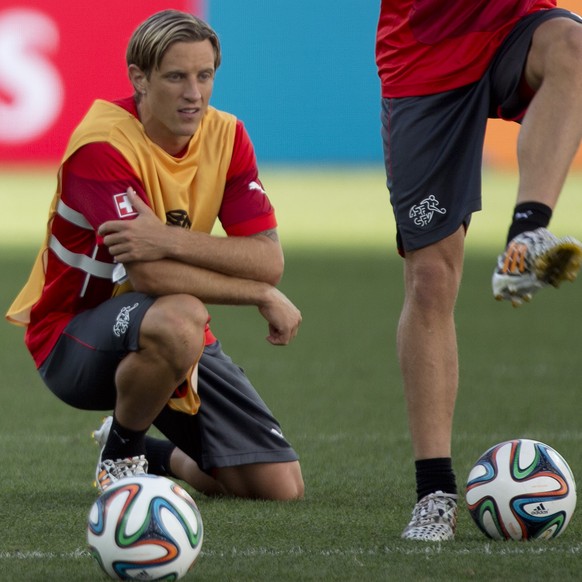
<point>219,116</point>
<point>105,121</point>
<point>219,127</point>
<point>111,111</point>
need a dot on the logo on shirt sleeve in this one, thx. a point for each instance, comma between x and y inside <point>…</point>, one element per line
<point>123,205</point>
<point>256,186</point>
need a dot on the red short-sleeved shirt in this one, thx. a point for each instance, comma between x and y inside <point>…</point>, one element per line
<point>430,46</point>
<point>89,178</point>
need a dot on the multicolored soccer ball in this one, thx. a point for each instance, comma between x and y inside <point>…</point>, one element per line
<point>145,528</point>
<point>521,490</point>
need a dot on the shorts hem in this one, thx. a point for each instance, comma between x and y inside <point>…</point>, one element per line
<point>286,456</point>
<point>414,243</point>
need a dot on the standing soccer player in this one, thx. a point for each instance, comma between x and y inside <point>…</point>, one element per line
<point>445,68</point>
<point>115,306</point>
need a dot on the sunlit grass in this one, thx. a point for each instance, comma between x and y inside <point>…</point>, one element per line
<point>336,390</point>
<point>345,207</point>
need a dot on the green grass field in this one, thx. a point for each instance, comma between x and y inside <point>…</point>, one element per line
<point>336,391</point>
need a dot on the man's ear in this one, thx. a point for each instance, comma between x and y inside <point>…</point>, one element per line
<point>138,79</point>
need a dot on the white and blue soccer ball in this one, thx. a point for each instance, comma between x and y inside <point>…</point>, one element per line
<point>145,528</point>
<point>521,489</point>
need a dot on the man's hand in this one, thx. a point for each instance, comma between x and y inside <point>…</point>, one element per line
<point>283,318</point>
<point>140,239</point>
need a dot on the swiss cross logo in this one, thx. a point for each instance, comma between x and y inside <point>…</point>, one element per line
<point>123,205</point>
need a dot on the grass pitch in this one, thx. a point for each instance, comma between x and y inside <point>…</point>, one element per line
<point>337,393</point>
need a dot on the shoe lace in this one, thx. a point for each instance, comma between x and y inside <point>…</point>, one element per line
<point>435,508</point>
<point>129,467</point>
<point>522,251</point>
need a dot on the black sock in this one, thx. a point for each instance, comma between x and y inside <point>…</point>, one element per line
<point>158,452</point>
<point>123,442</point>
<point>529,216</point>
<point>435,475</point>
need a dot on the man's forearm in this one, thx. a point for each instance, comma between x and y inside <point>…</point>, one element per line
<point>146,238</point>
<point>168,277</point>
<point>258,257</point>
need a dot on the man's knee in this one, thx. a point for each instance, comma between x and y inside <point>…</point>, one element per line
<point>292,486</point>
<point>269,481</point>
<point>433,274</point>
<point>175,313</point>
<point>557,51</point>
<point>572,40</point>
<point>174,325</point>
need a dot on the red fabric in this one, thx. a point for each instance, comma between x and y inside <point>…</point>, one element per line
<point>245,209</point>
<point>90,178</point>
<point>430,46</point>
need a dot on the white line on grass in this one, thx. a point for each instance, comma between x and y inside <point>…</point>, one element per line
<point>404,549</point>
<point>500,549</point>
<point>36,555</point>
<point>34,438</point>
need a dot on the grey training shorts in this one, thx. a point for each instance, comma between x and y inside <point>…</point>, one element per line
<point>233,426</point>
<point>433,144</point>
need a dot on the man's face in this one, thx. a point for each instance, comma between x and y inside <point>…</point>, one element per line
<point>176,96</point>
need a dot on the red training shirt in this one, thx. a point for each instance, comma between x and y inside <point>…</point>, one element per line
<point>431,46</point>
<point>89,179</point>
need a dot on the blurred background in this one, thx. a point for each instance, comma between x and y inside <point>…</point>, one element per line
<point>301,75</point>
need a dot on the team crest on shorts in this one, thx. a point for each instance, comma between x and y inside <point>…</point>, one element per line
<point>423,213</point>
<point>122,320</point>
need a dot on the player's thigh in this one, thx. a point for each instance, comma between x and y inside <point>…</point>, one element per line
<point>80,370</point>
<point>523,59</point>
<point>556,45</point>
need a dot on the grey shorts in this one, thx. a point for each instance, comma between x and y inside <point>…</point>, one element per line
<point>233,426</point>
<point>433,144</point>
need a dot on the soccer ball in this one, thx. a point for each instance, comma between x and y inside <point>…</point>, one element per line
<point>521,490</point>
<point>145,528</point>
